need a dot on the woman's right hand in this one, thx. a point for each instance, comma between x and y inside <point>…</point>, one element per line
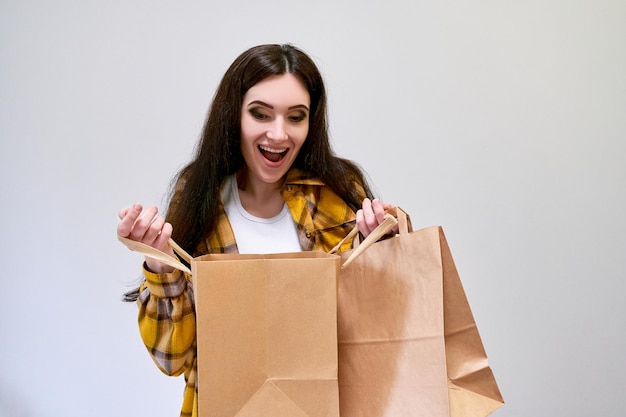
<point>146,227</point>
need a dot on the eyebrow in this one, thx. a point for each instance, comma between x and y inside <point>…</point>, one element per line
<point>261,103</point>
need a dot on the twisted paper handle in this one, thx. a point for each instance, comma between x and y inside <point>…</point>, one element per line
<point>381,230</point>
<point>153,253</point>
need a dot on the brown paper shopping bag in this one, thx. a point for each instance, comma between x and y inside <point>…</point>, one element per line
<point>266,332</point>
<point>408,343</point>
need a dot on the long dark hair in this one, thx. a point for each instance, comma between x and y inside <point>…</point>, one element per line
<point>195,189</point>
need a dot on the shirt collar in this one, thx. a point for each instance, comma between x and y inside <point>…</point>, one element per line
<point>296,176</point>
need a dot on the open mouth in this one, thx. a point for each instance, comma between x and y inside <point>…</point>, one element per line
<point>273,155</point>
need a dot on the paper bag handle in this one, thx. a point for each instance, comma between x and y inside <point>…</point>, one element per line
<point>394,216</point>
<point>404,222</point>
<point>382,229</point>
<point>153,253</point>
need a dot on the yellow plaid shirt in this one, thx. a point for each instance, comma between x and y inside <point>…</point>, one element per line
<point>167,321</point>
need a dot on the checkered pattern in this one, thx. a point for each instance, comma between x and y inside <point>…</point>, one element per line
<point>167,321</point>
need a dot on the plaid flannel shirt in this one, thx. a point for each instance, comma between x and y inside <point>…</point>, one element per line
<point>167,321</point>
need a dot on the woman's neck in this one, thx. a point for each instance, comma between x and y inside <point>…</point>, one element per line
<point>259,198</point>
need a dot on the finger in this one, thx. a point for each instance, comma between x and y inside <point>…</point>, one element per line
<point>379,210</point>
<point>142,224</point>
<point>122,213</point>
<point>162,240</point>
<point>128,218</point>
<point>368,219</point>
<point>368,214</point>
<point>154,230</point>
<point>134,208</point>
<point>387,207</point>
<point>161,243</point>
<point>360,223</point>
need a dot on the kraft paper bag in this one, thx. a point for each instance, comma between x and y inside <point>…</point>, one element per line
<point>408,343</point>
<point>267,334</point>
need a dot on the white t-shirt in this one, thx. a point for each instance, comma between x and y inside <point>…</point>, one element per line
<point>255,234</point>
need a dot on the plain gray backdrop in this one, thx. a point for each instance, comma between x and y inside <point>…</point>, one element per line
<point>502,121</point>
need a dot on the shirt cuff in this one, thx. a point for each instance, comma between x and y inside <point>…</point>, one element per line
<point>168,285</point>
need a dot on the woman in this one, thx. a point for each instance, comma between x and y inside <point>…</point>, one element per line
<point>264,179</point>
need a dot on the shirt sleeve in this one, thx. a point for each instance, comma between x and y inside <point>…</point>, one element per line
<point>167,320</point>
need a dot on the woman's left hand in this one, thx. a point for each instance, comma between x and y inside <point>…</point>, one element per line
<point>371,215</point>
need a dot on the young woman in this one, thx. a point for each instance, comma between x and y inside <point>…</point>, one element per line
<point>264,180</point>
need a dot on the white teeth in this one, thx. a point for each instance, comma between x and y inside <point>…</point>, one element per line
<point>266,149</point>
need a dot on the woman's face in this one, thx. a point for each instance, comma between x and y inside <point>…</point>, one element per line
<point>274,125</point>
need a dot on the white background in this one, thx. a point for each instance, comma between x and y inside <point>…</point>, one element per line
<point>503,121</point>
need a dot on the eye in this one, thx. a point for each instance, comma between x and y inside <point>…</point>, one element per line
<point>259,115</point>
<point>298,117</point>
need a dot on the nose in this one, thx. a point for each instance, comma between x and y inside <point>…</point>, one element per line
<point>277,130</point>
